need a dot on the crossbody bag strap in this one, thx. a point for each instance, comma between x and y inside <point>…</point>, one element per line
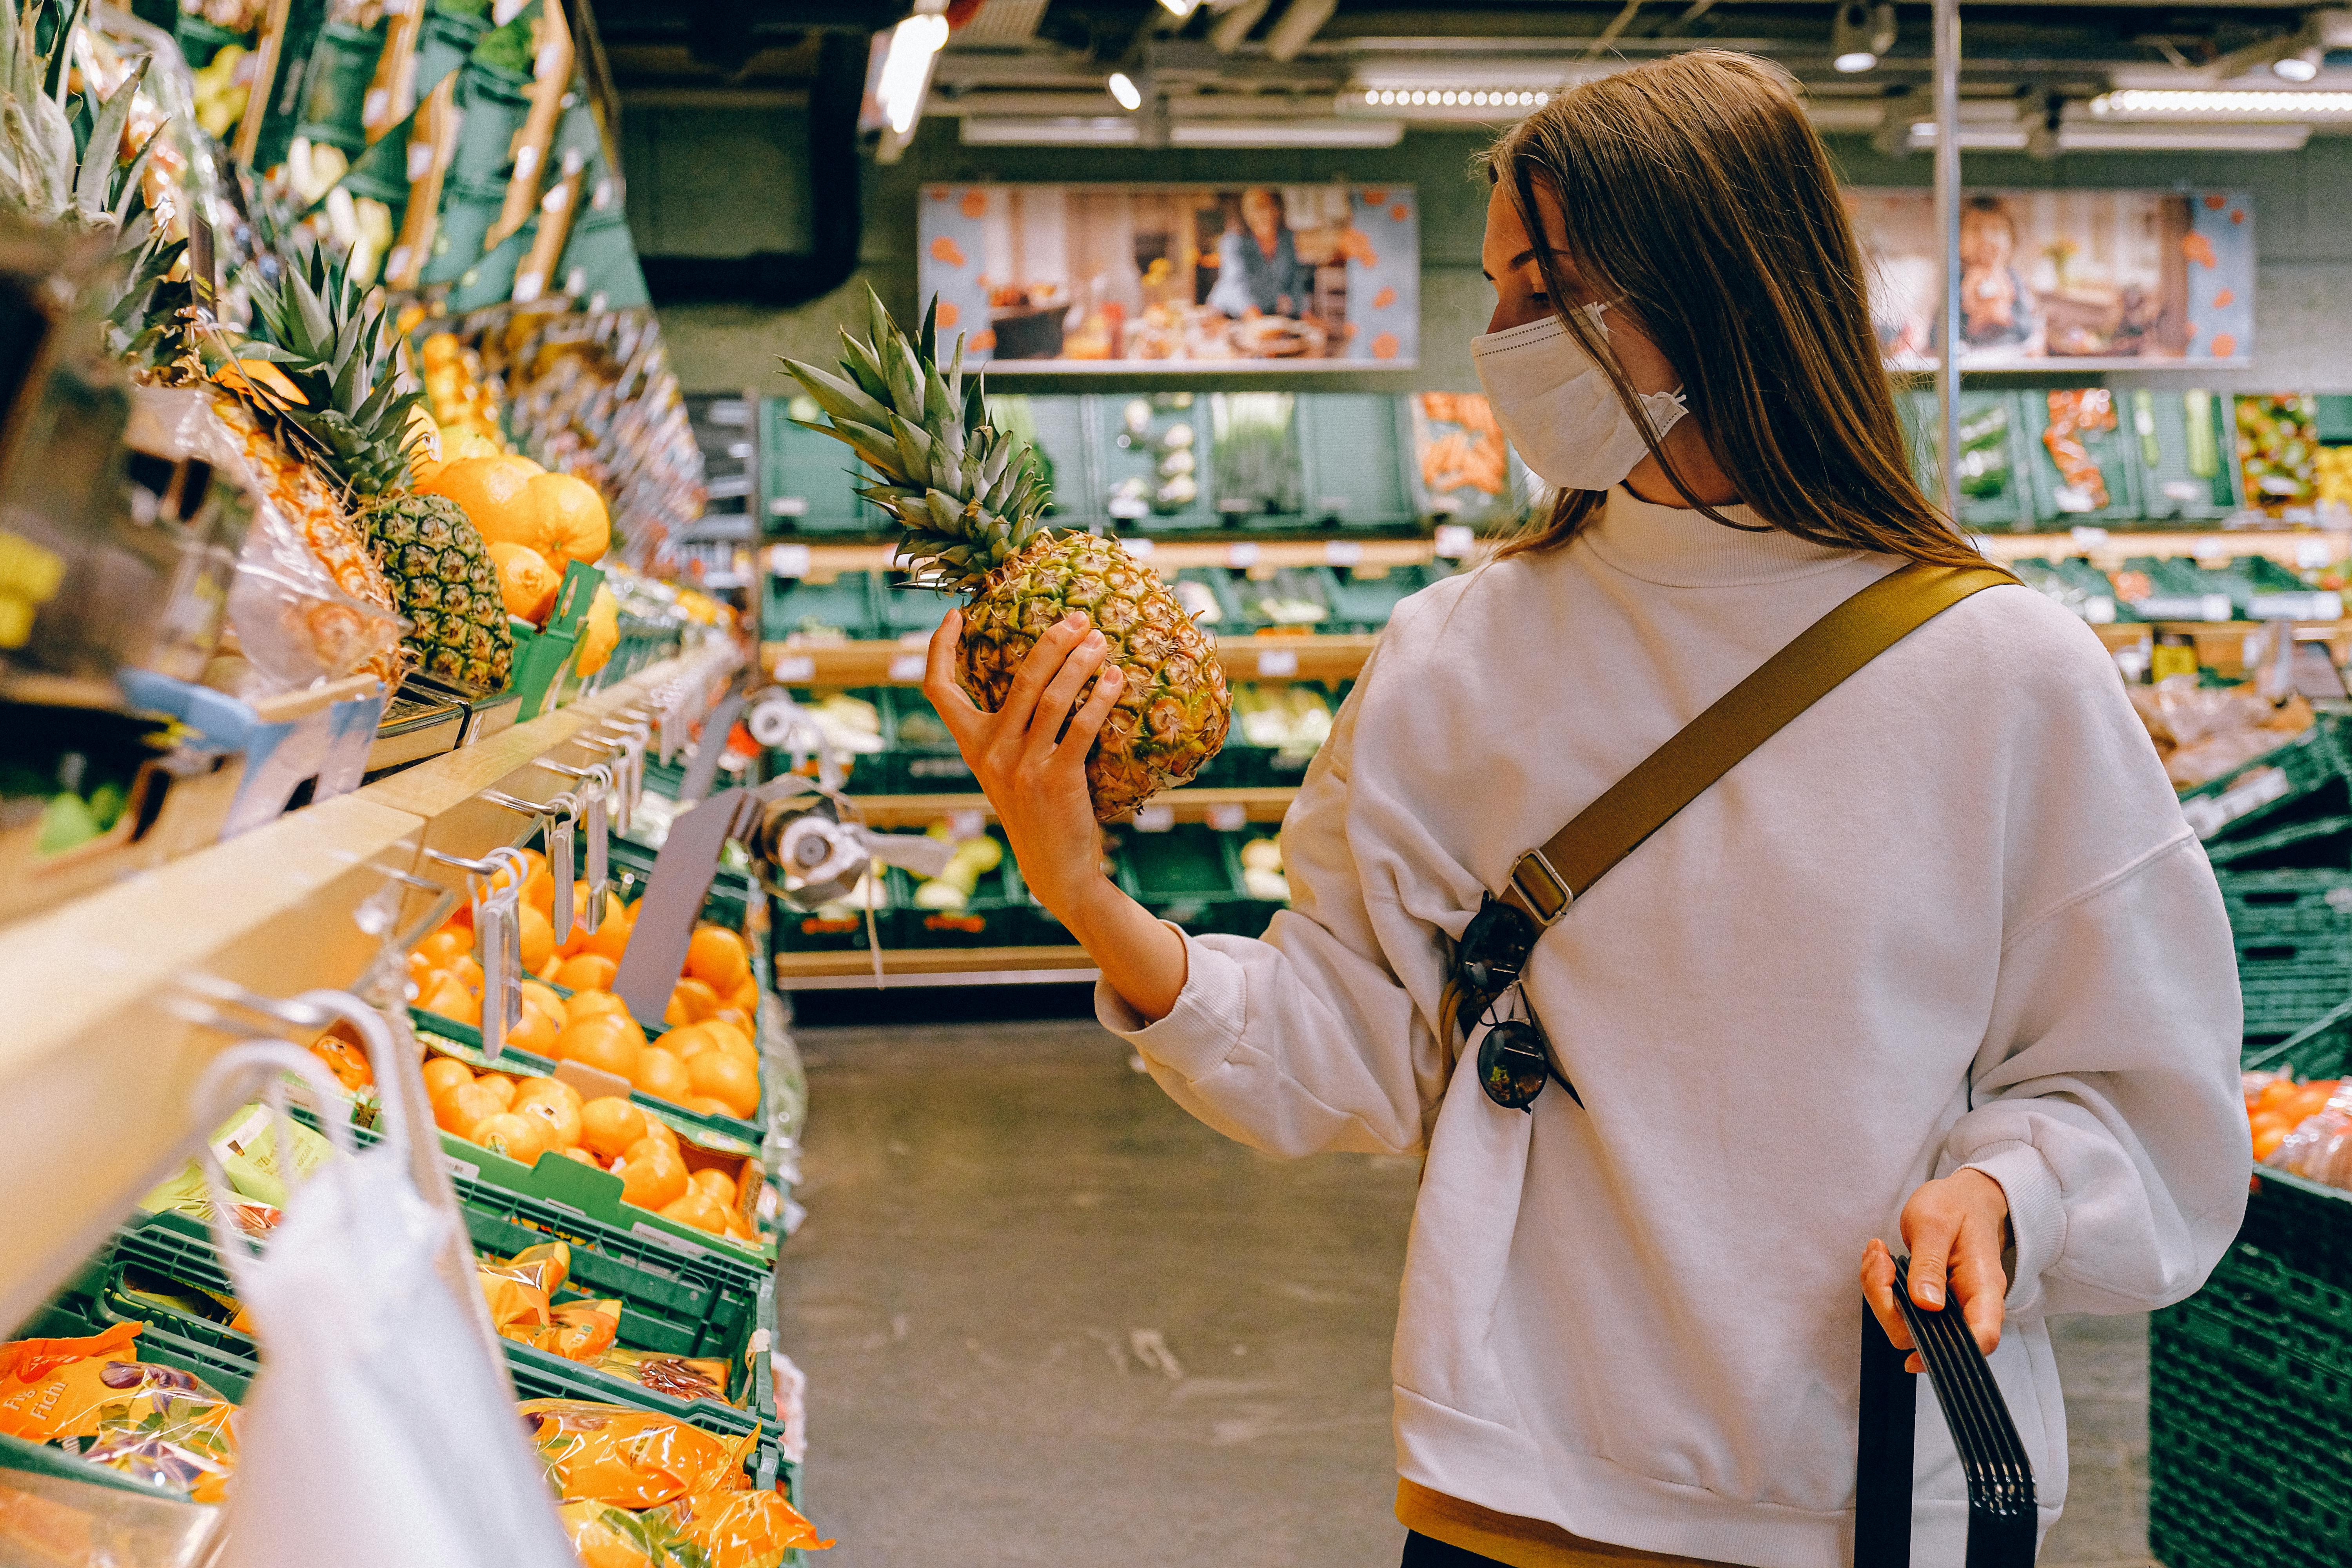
<point>1546,881</point>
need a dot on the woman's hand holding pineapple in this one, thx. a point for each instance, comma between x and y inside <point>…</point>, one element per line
<point>1034,771</point>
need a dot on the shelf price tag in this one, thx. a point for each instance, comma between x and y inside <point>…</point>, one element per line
<point>599,847</point>
<point>1155,819</point>
<point>497,948</point>
<point>792,668</point>
<point>788,560</point>
<point>2089,538</point>
<point>1139,547</point>
<point>907,668</point>
<point>1343,552</point>
<point>1242,556</point>
<point>1228,817</point>
<point>1278,663</point>
<point>966,825</point>
<point>558,833</point>
<point>1455,541</point>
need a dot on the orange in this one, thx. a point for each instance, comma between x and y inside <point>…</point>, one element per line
<point>607,1044</point>
<point>452,1001</point>
<point>562,1115</point>
<point>502,1086</point>
<point>581,1156</point>
<point>738,1227</point>
<point>717,957</point>
<point>538,994</point>
<point>527,583</point>
<point>687,1041</point>
<point>738,1017</point>
<point>445,947</point>
<point>651,1174</point>
<point>734,1036</point>
<point>661,1075</point>
<point>539,892</point>
<point>443,1074</point>
<point>522,1139</point>
<point>662,1131</point>
<point>493,494</point>
<point>537,1032</point>
<point>572,523</point>
<point>588,972</point>
<point>538,937</point>
<point>610,1125</point>
<point>467,973</point>
<point>703,1105</point>
<point>718,1184</point>
<point>600,632</point>
<point>598,1003</point>
<point>690,1002</point>
<point>746,997</point>
<point>420,970</point>
<point>727,1077</point>
<point>464,1107</point>
<point>698,1208</point>
<point>611,938</point>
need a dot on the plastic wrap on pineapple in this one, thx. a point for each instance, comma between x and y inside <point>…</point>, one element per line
<point>786,1083</point>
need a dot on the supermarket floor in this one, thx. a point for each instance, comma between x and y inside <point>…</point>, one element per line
<point>1049,1319</point>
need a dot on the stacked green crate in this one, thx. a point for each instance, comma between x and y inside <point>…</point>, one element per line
<point>1353,447</point>
<point>1193,875</point>
<point>1057,430</point>
<point>2179,590</point>
<point>993,913</point>
<point>451,30</point>
<point>906,613</point>
<point>2182,444</point>
<point>2060,497</point>
<point>335,80</point>
<point>799,606</point>
<point>1996,487</point>
<point>810,481</point>
<point>1153,467</point>
<point>1362,603</point>
<point>923,758</point>
<point>1256,461</point>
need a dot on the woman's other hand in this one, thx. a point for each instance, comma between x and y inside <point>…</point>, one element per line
<point>1955,1227</point>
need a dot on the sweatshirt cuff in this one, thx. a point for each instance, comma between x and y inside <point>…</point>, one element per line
<point>2037,1213</point>
<point>1204,1026</point>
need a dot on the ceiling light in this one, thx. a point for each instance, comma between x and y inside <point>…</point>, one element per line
<point>907,70</point>
<point>1123,90</point>
<point>2250,105</point>
<point>1180,9</point>
<point>2301,65</point>
<point>1850,47</point>
<point>1465,102</point>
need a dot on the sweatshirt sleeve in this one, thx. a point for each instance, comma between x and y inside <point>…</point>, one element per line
<point>1311,1039</point>
<point>2106,1100</point>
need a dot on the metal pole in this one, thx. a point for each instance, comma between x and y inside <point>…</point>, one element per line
<point>1947,224</point>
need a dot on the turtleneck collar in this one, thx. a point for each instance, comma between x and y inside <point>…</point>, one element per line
<point>1680,547</point>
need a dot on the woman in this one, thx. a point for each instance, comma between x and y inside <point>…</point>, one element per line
<point>1258,270</point>
<point>1939,962</point>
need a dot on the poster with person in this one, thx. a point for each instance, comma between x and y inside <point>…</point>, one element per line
<point>2096,279</point>
<point>1169,278</point>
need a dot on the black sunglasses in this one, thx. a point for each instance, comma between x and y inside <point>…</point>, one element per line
<point>1514,1059</point>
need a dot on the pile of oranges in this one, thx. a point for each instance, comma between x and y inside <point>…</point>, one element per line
<point>526,1118</point>
<point>707,1062</point>
<point>534,524</point>
<point>2276,1107</point>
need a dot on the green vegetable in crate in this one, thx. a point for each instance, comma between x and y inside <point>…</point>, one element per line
<point>336,349</point>
<point>969,500</point>
<point>953,887</point>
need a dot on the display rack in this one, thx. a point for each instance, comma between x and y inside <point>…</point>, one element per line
<point>852,664</point>
<point>98,1064</point>
<point>1218,807</point>
<point>934,966</point>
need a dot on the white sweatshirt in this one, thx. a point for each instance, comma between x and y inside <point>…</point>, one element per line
<point>1950,916</point>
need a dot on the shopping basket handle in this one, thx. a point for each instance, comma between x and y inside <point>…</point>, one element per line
<point>2002,1523</point>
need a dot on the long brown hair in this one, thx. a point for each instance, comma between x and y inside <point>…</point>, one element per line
<point>1699,196</point>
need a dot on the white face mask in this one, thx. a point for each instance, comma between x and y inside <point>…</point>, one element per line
<point>1556,408</point>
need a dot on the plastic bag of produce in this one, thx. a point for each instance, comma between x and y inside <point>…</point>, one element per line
<point>51,1389</point>
<point>520,1292</point>
<point>630,1458</point>
<point>744,1528</point>
<point>172,1430</point>
<point>680,1377</point>
<point>379,1433</point>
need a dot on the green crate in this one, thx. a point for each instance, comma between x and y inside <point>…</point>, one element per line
<point>1997,489</point>
<point>1192,875</point>
<point>903,613</point>
<point>495,106</point>
<point>442,45</point>
<point>335,82</point>
<point>1354,447</point>
<point>1362,603</point>
<point>491,280</point>
<point>995,916</point>
<point>810,481</point>
<point>2303,780</point>
<point>1058,429</point>
<point>868,772</point>
<point>795,606</point>
<point>200,40</point>
<point>922,758</point>
<point>712,1314</point>
<point>1127,456</point>
<point>2113,451</point>
<point>2266,903</point>
<point>459,232</point>
<point>2171,487</point>
<point>600,263</point>
<point>801,930</point>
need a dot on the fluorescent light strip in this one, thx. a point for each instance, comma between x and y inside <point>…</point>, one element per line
<point>1457,98</point>
<point>2282,104</point>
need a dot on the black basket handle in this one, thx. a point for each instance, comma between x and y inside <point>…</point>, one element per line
<point>2002,1523</point>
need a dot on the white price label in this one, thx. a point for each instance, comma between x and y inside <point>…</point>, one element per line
<point>420,161</point>
<point>795,667</point>
<point>2209,813</point>
<point>2216,549</point>
<point>2089,538</point>
<point>907,668</point>
<point>1139,548</point>
<point>1228,817</point>
<point>2312,552</point>
<point>457,1168</point>
<point>528,285</point>
<point>674,1242</point>
<point>1342,552</point>
<point>1243,554</point>
<point>1155,819</point>
<point>789,560</point>
<point>1278,663</point>
<point>1128,508</point>
<point>788,506</point>
<point>375,105</point>
<point>1456,542</point>
<point>966,825</point>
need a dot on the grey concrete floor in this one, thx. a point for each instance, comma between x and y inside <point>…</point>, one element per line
<point>1049,1319</point>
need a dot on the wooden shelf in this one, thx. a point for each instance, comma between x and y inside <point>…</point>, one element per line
<point>1265,804</point>
<point>822,562</point>
<point>2291,547</point>
<point>901,664</point>
<point>933,966</point>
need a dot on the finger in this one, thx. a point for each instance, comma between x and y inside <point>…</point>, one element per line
<point>1929,1228</point>
<point>1044,661</point>
<point>1878,1292</point>
<point>956,710</point>
<point>1980,1284</point>
<point>1062,695</point>
<point>1087,721</point>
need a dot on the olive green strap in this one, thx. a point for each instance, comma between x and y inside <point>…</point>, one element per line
<point>1544,881</point>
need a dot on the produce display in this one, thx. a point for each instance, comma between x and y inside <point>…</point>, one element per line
<point>969,501</point>
<point>2305,1128</point>
<point>2278,447</point>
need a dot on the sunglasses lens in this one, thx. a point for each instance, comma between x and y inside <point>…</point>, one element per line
<point>1511,1064</point>
<point>1498,936</point>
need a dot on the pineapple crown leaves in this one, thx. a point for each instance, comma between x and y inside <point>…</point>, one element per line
<point>47,172</point>
<point>336,346</point>
<point>967,495</point>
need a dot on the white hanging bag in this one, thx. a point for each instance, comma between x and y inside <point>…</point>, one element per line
<point>380,1433</point>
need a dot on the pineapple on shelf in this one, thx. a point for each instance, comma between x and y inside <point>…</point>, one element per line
<point>333,352</point>
<point>967,497</point>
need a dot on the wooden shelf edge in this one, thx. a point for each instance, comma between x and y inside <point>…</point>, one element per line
<point>1337,656</point>
<point>849,969</point>
<point>1262,803</point>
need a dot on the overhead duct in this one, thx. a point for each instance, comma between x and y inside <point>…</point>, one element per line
<point>836,207</point>
<point>1233,27</point>
<point>1292,29</point>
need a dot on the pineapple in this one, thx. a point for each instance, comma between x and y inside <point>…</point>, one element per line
<point>968,496</point>
<point>336,353</point>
